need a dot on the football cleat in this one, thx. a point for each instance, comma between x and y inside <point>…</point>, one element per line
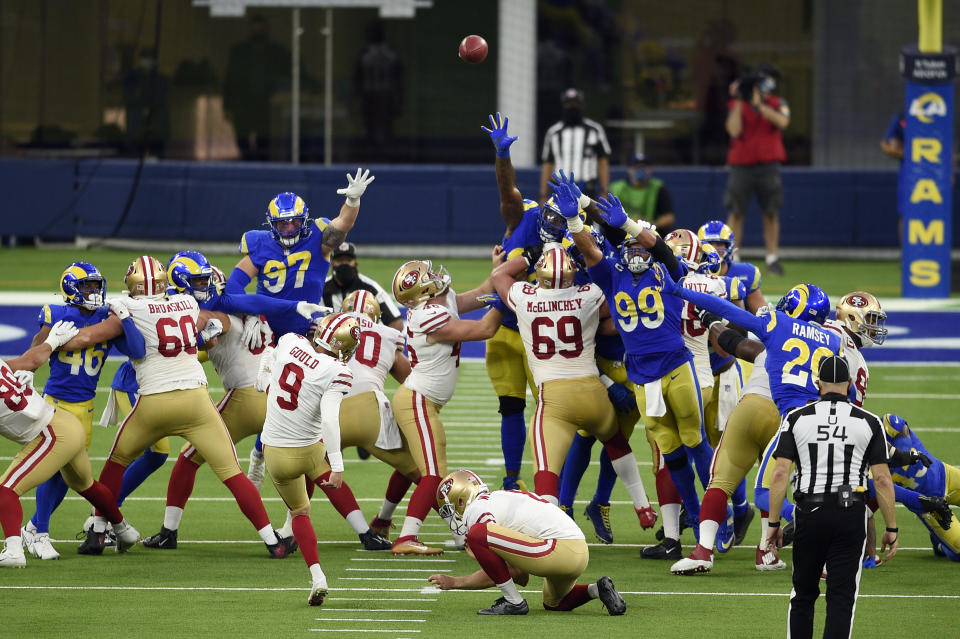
<point>41,548</point>
<point>371,540</point>
<point>413,546</point>
<point>166,539</point>
<point>363,453</point>
<point>255,469</point>
<point>666,549</point>
<point>741,525</point>
<point>285,546</point>
<point>769,560</point>
<point>599,516</point>
<point>789,531</point>
<point>109,542</point>
<point>611,599</point>
<point>28,533</point>
<point>12,557</point>
<point>127,536</point>
<point>700,560</point>
<point>381,527</point>
<point>93,544</point>
<point>317,593</point>
<point>503,607</point>
<point>939,508</point>
<point>725,534</point>
<point>648,517</point>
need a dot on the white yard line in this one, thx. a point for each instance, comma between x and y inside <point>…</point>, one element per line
<point>358,630</point>
<point>395,559</point>
<point>378,609</point>
<point>914,396</point>
<point>337,620</point>
<point>431,570</point>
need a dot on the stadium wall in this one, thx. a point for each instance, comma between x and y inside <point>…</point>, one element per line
<point>408,204</point>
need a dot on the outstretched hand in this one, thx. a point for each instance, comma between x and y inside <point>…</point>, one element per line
<point>558,178</point>
<point>611,210</point>
<point>498,135</point>
<point>356,185</point>
<point>566,200</point>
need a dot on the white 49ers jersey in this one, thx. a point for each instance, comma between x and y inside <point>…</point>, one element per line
<point>374,357</point>
<point>299,376</point>
<point>759,382</point>
<point>234,361</point>
<point>558,328</point>
<point>859,374</point>
<point>526,513</point>
<point>23,412</point>
<point>169,328</point>
<point>695,334</point>
<point>434,373</point>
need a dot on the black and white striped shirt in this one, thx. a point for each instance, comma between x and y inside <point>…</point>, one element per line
<point>832,442</point>
<point>576,148</point>
<point>333,294</point>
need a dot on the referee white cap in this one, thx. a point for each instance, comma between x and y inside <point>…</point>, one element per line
<point>834,370</point>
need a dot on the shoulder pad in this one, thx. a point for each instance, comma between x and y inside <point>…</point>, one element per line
<point>46,316</point>
<point>529,205</point>
<point>755,280</point>
<point>245,244</point>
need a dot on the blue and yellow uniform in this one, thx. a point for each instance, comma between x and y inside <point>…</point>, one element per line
<point>746,274</point>
<point>294,273</point>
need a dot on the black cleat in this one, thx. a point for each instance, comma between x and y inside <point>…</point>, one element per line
<point>166,539</point>
<point>503,607</point>
<point>666,549</point>
<point>939,508</point>
<point>285,546</point>
<point>611,599</point>
<point>363,453</point>
<point>741,525</point>
<point>789,531</point>
<point>373,541</point>
<point>93,544</point>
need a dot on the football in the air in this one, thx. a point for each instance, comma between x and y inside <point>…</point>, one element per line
<point>473,49</point>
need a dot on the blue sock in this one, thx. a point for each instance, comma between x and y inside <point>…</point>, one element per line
<point>258,444</point>
<point>578,458</point>
<point>513,434</point>
<point>702,456</point>
<point>49,495</point>
<point>137,472</point>
<point>786,511</point>
<point>739,499</point>
<point>908,498</point>
<point>685,481</point>
<point>606,480</point>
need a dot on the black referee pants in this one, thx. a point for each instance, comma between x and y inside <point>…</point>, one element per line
<point>826,535</point>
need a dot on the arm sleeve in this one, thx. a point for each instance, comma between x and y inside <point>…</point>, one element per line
<point>237,282</point>
<point>724,309</point>
<point>786,444</point>
<point>330,427</point>
<point>664,202</point>
<point>131,343</point>
<point>253,303</point>
<point>662,253</point>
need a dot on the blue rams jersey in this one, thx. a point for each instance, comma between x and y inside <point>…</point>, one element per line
<point>931,481</point>
<point>524,235</point>
<point>648,320</point>
<point>745,272</point>
<point>125,379</point>
<point>296,273</point>
<point>74,374</point>
<point>736,292</point>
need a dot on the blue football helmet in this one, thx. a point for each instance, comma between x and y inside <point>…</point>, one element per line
<point>288,217</point>
<point>551,224</point>
<point>895,426</point>
<point>82,285</point>
<point>575,254</point>
<point>806,302</point>
<point>635,257</point>
<point>721,237</point>
<point>190,273</point>
<point>710,260</point>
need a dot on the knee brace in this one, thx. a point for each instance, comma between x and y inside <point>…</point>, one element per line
<point>511,405</point>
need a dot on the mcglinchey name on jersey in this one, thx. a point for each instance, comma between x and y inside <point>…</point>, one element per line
<point>811,332</point>
<point>552,306</point>
<point>171,307</point>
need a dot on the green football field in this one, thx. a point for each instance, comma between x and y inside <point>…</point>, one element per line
<point>220,581</point>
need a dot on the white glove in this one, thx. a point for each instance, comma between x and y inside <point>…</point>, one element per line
<point>252,336</point>
<point>119,307</point>
<point>61,333</point>
<point>307,310</point>
<point>263,371</point>
<point>25,377</point>
<point>213,328</point>
<point>356,185</point>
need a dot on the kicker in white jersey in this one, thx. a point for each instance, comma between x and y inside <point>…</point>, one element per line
<point>169,329</point>
<point>435,366</point>
<point>523,512</point>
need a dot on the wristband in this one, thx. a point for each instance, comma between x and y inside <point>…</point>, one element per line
<point>774,524</point>
<point>893,530</point>
<point>503,154</point>
<point>584,201</point>
<point>574,224</point>
<point>632,227</point>
<point>606,380</point>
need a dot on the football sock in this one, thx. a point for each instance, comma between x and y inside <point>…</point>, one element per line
<point>258,445</point>
<point>287,528</point>
<point>671,520</point>
<point>248,498</point>
<point>626,469</point>
<point>357,522</point>
<point>617,446</point>
<point>764,527</point>
<point>578,595</point>
<point>546,484</point>
<point>684,480</point>
<point>608,478</point>
<point>713,510</point>
<point>702,456</point>
<point>182,479</point>
<point>771,258</point>
<point>11,513</point>
<point>593,590</point>
<point>386,510</point>
<point>739,499</point>
<point>171,517</point>
<point>761,497</point>
<point>397,488</point>
<point>315,571</point>
<point>509,589</point>
<point>306,538</point>
<point>411,527</point>
<point>669,500</point>
<point>112,476</point>
<point>49,495</point>
<point>14,542</point>
<point>104,501</point>
<point>491,562</point>
<point>513,432</point>
<point>422,500</point>
<point>342,498</point>
<point>141,468</point>
<point>909,498</point>
<point>578,458</point>
<point>268,535</point>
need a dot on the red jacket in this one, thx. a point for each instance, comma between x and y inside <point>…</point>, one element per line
<point>759,142</point>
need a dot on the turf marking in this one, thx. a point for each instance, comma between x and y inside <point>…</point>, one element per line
<point>334,619</point>
<point>446,561</point>
<point>431,570</point>
<point>357,630</point>
<point>378,609</point>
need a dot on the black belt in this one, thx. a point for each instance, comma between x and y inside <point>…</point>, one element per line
<point>824,498</point>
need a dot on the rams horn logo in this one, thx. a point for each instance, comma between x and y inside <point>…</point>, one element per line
<point>927,106</point>
<point>409,280</point>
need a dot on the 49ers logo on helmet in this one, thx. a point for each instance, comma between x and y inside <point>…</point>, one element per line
<point>409,280</point>
<point>355,332</point>
<point>857,300</point>
<point>445,488</point>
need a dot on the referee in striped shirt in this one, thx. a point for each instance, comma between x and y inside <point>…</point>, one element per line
<point>833,443</point>
<point>576,145</point>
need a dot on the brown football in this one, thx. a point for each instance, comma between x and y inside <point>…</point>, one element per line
<point>473,49</point>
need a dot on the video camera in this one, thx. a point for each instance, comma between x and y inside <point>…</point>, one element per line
<point>764,77</point>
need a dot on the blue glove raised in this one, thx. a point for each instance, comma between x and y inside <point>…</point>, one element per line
<point>559,178</point>
<point>612,211</point>
<point>498,135</point>
<point>566,200</point>
<point>622,399</point>
<point>493,301</point>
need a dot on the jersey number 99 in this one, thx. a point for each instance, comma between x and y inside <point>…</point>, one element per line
<point>648,309</point>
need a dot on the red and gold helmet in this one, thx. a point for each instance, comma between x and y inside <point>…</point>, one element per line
<point>555,268</point>
<point>861,314</point>
<point>685,246</point>
<point>455,493</point>
<point>361,301</point>
<point>339,333</point>
<point>146,276</point>
<point>415,282</point>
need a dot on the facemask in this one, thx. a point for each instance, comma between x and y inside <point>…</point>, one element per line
<point>572,115</point>
<point>345,273</point>
<point>638,175</point>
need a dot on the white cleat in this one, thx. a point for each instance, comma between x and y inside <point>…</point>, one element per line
<point>691,566</point>
<point>769,560</point>
<point>318,593</point>
<point>12,557</point>
<point>41,548</point>
<point>255,470</point>
<point>127,536</point>
<point>28,533</point>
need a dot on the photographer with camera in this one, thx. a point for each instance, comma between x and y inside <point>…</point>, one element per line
<point>755,119</point>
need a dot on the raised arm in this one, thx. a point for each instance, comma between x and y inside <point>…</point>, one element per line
<point>505,275</point>
<point>723,308</point>
<point>336,232</point>
<point>458,330</point>
<point>468,301</point>
<point>511,200</point>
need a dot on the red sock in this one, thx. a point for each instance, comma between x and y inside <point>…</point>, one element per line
<point>182,478</point>
<point>491,562</point>
<point>666,491</point>
<point>342,498</point>
<point>713,507</point>
<point>306,538</point>
<point>11,512</point>
<point>574,599</point>
<point>617,446</point>
<point>424,497</point>
<point>764,514</point>
<point>112,477</point>
<point>104,501</point>
<point>248,499</point>
<point>397,487</point>
<point>546,483</point>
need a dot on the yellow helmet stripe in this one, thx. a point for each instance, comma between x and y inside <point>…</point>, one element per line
<point>804,294</point>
